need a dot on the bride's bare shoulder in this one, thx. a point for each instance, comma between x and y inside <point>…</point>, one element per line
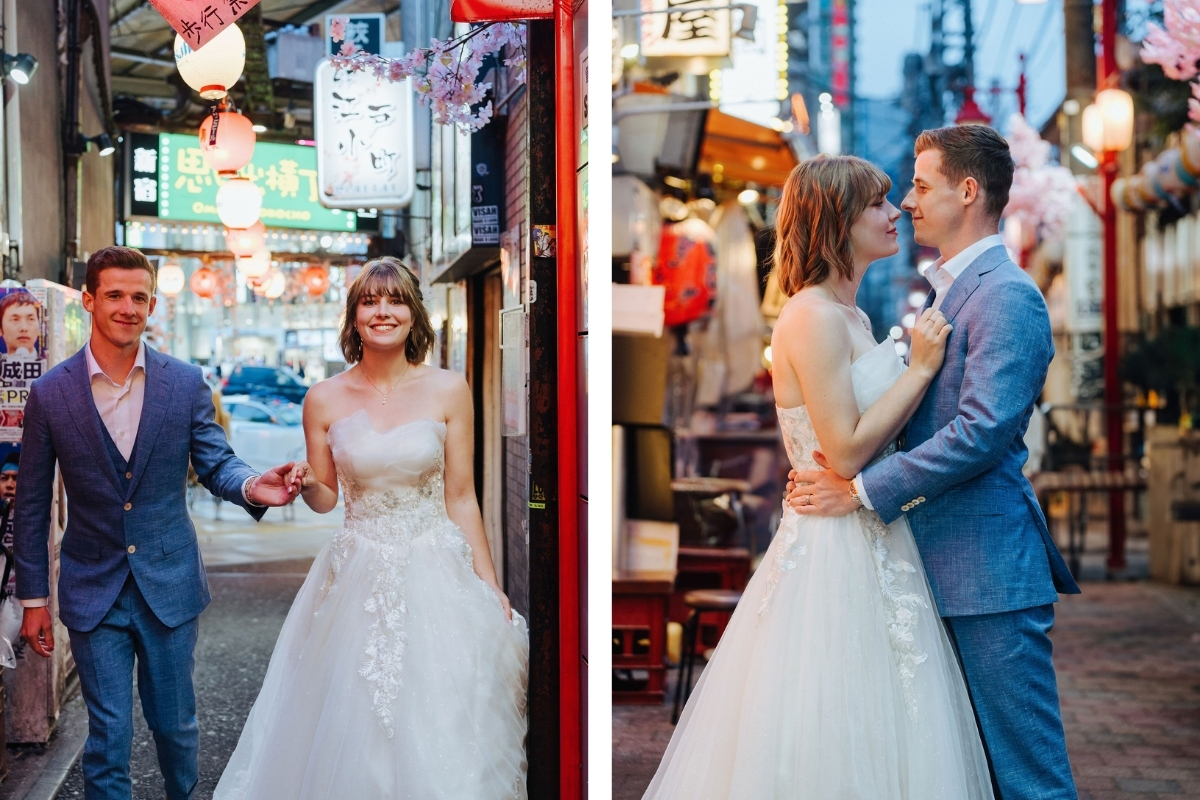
<point>809,312</point>
<point>326,395</point>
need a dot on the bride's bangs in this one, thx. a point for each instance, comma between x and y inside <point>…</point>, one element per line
<point>387,277</point>
<point>381,280</point>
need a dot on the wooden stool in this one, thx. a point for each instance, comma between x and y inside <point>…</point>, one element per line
<point>699,601</point>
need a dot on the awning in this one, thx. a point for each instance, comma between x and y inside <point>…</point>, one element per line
<point>739,150</point>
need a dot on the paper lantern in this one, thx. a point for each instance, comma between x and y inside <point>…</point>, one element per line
<point>170,279</point>
<point>246,241</point>
<point>687,267</point>
<point>274,285</point>
<point>204,282</point>
<point>255,266</point>
<point>1108,123</point>
<point>315,280</point>
<point>214,68</point>
<point>234,143</point>
<point>239,202</point>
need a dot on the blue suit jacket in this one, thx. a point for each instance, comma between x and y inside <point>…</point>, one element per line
<point>151,515</point>
<point>974,516</point>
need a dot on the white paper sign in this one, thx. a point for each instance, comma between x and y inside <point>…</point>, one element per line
<point>364,129</point>
<point>684,33</point>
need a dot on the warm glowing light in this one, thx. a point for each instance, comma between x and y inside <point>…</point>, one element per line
<point>170,279</point>
<point>204,282</point>
<point>896,332</point>
<point>255,266</point>
<point>245,241</point>
<point>239,202</point>
<point>908,320</point>
<point>234,143</point>
<point>214,68</point>
<point>315,280</point>
<point>1108,123</point>
<point>274,285</point>
<point>748,197</point>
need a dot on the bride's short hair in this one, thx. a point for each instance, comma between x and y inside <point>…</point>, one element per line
<point>387,277</point>
<point>821,200</point>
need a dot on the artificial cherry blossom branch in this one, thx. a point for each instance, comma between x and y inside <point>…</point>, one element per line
<point>1042,192</point>
<point>446,74</point>
<point>1176,48</point>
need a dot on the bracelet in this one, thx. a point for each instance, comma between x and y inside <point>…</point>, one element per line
<point>854,495</point>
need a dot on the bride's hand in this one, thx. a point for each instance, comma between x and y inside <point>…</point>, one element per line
<point>301,476</point>
<point>503,598</point>
<point>929,336</point>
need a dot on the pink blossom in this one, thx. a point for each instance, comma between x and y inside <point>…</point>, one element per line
<point>1041,193</point>
<point>337,28</point>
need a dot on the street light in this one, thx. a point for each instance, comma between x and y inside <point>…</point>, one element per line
<point>170,279</point>
<point>1108,123</point>
<point>20,67</point>
<point>1084,156</point>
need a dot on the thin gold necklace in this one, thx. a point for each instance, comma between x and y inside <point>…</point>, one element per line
<point>857,315</point>
<point>394,385</point>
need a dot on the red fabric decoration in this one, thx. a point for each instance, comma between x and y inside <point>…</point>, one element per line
<point>687,267</point>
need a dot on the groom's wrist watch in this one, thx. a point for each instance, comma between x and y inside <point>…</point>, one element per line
<point>858,503</point>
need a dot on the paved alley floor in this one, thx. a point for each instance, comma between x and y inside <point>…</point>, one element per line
<point>1128,661</point>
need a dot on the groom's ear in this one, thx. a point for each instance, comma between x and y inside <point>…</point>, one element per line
<point>969,190</point>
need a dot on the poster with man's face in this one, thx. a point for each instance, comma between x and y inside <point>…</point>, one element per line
<point>22,354</point>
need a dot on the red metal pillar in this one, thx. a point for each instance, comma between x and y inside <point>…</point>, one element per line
<point>567,216</point>
<point>1106,76</point>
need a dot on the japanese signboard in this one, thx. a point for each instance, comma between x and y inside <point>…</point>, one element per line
<point>683,33</point>
<point>285,173</point>
<point>143,174</point>
<point>487,183</point>
<point>364,128</point>
<point>198,21</point>
<point>364,31</point>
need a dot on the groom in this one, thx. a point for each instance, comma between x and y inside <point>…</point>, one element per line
<point>994,570</point>
<point>123,421</point>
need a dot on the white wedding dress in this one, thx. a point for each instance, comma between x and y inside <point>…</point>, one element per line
<point>397,675</point>
<point>834,679</point>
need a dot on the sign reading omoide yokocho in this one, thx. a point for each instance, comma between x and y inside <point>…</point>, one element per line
<point>286,174</point>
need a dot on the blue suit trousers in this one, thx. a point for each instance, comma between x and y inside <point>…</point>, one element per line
<point>165,658</point>
<point>1010,677</point>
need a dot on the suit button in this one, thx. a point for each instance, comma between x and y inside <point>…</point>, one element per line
<point>906,507</point>
<point>131,549</point>
<point>920,499</point>
<point>128,475</point>
<point>128,506</point>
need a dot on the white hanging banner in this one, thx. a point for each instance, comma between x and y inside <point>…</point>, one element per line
<point>364,130</point>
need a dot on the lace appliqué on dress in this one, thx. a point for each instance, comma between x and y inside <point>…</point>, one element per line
<point>785,555</point>
<point>900,602</point>
<point>392,520</point>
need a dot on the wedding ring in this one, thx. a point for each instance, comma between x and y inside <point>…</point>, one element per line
<point>807,500</point>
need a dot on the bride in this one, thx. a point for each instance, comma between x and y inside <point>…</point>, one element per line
<point>835,679</point>
<point>400,673</point>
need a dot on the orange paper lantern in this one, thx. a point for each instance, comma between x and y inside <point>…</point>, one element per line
<point>245,242</point>
<point>315,280</point>
<point>204,282</point>
<point>233,145</point>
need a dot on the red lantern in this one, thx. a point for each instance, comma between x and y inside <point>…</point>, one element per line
<point>687,267</point>
<point>245,242</point>
<point>315,280</point>
<point>205,282</point>
<point>233,145</point>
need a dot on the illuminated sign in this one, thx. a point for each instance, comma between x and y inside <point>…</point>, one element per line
<point>286,174</point>
<point>683,33</point>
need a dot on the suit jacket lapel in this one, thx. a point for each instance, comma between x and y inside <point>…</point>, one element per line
<point>968,281</point>
<point>78,398</point>
<point>154,408</point>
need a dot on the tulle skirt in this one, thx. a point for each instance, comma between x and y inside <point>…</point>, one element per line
<point>435,712</point>
<point>834,680</point>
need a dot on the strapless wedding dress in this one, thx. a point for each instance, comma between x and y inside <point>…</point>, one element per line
<point>835,679</point>
<point>397,675</point>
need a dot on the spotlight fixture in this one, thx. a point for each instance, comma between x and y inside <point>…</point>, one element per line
<point>749,20</point>
<point>104,144</point>
<point>20,67</point>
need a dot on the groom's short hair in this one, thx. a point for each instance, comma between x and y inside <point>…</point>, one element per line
<point>973,151</point>
<point>116,257</point>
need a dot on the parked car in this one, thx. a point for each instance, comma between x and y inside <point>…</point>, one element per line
<point>266,382</point>
<point>264,433</point>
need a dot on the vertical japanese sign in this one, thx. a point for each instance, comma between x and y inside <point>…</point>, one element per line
<point>364,31</point>
<point>143,174</point>
<point>487,182</point>
<point>198,21</point>
<point>684,33</point>
<point>22,355</point>
<point>840,53</point>
<point>364,129</point>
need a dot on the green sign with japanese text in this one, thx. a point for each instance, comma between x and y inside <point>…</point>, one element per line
<point>285,173</point>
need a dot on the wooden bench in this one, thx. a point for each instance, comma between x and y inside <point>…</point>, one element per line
<point>1082,483</point>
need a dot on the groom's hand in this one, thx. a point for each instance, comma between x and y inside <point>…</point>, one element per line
<point>37,629</point>
<point>821,493</point>
<point>273,488</point>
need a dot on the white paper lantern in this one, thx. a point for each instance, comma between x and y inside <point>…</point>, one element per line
<point>170,279</point>
<point>1108,123</point>
<point>275,282</point>
<point>255,266</point>
<point>214,68</point>
<point>239,202</point>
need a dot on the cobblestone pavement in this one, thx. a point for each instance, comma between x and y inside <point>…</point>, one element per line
<point>1128,661</point>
